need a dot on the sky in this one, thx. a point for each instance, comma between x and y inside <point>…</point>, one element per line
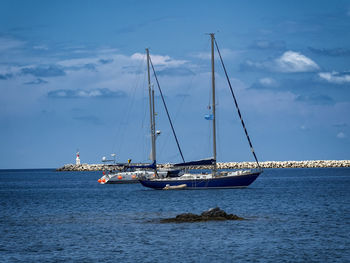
<point>73,77</point>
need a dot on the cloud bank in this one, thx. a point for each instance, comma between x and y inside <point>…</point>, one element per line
<point>44,71</point>
<point>160,60</point>
<point>84,94</point>
<point>332,52</point>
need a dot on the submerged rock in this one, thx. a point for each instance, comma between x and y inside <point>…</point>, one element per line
<point>213,214</point>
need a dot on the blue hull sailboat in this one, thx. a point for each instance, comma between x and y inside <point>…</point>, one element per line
<point>216,179</point>
<point>237,179</point>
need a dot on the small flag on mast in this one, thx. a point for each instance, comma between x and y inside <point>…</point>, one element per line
<point>209,117</point>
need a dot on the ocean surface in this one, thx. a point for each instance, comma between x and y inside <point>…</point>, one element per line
<point>292,215</point>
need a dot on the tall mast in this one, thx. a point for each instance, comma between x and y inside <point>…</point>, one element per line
<point>213,99</point>
<point>151,109</point>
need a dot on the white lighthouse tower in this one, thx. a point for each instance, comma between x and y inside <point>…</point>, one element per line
<point>77,160</point>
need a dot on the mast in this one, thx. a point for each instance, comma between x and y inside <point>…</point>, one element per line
<point>213,100</point>
<point>151,110</point>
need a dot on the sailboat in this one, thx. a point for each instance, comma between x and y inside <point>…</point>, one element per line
<point>215,179</point>
<point>131,173</point>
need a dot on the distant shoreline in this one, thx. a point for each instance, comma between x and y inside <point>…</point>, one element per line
<point>226,165</point>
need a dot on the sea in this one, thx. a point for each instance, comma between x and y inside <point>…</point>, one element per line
<point>291,215</point>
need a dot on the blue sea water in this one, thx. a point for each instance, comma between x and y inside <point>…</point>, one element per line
<point>293,215</point>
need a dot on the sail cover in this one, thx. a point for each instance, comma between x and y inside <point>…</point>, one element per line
<point>209,161</point>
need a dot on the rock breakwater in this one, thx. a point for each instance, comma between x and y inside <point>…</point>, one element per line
<point>287,164</point>
<point>227,165</point>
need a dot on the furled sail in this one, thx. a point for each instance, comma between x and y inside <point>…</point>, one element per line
<point>209,161</point>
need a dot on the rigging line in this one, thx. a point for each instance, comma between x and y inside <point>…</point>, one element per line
<point>166,109</point>
<point>120,134</point>
<point>189,86</point>
<point>239,112</point>
<point>130,105</point>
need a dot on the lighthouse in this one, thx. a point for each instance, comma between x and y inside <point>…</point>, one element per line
<point>77,160</point>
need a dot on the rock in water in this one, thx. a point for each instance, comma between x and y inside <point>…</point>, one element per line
<point>212,214</point>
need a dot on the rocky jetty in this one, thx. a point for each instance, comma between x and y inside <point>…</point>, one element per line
<point>229,165</point>
<point>213,214</point>
<point>287,164</point>
<point>89,167</point>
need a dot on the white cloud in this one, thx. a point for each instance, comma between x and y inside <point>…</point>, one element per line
<point>335,77</point>
<point>138,56</point>
<point>160,60</point>
<point>292,61</point>
<point>268,82</point>
<point>341,135</point>
<point>289,62</point>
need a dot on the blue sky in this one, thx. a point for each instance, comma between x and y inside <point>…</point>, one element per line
<point>72,76</point>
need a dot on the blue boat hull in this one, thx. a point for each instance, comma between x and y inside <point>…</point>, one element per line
<point>213,183</point>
